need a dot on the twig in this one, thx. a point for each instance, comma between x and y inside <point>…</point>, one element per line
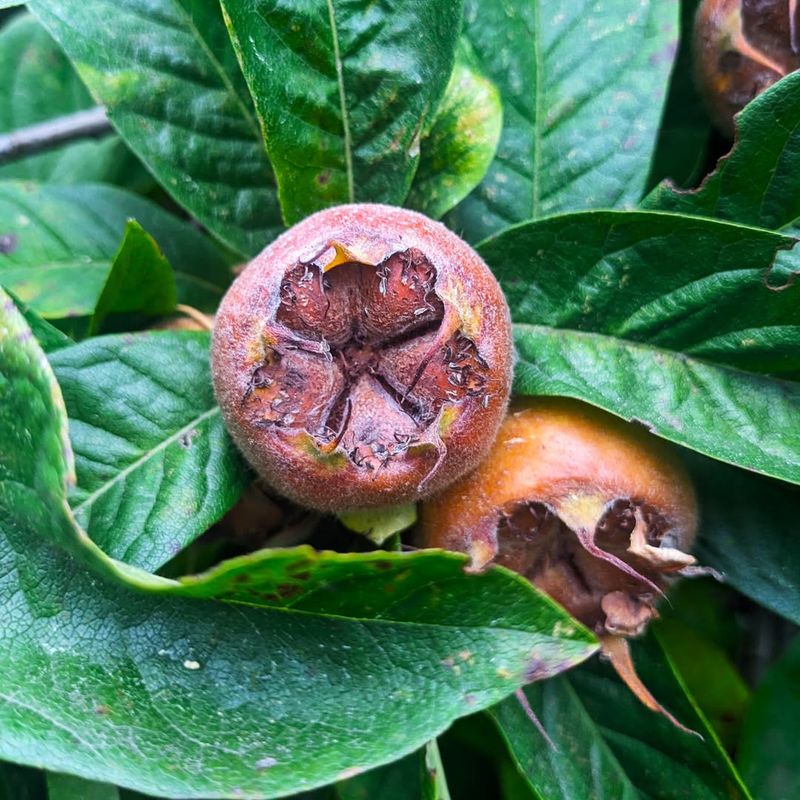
<point>47,135</point>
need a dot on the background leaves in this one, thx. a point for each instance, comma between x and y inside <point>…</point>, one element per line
<point>583,84</point>
<point>62,240</point>
<point>175,94</point>
<point>343,91</point>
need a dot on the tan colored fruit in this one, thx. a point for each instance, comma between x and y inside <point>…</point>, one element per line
<point>594,511</point>
<point>364,358</point>
<point>742,47</point>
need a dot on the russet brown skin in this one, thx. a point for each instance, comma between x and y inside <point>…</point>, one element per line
<point>596,512</point>
<point>364,358</point>
<point>742,47</point>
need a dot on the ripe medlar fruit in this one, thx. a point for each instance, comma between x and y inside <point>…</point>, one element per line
<point>742,47</point>
<point>594,511</point>
<point>363,358</point>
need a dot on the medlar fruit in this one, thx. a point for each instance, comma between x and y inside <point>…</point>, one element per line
<point>594,511</point>
<point>742,47</point>
<point>363,358</point>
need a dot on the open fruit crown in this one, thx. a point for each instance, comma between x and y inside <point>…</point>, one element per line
<point>363,358</point>
<point>594,511</point>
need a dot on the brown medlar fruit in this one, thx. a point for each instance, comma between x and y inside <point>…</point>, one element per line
<point>594,511</point>
<point>742,47</point>
<point>363,358</point>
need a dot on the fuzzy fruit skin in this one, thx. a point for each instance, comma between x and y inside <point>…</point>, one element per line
<point>576,460</point>
<point>742,47</point>
<point>290,459</point>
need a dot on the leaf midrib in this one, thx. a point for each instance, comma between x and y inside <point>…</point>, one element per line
<point>144,458</point>
<point>348,144</point>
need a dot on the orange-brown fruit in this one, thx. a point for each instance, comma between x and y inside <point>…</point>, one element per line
<point>594,511</point>
<point>742,47</point>
<point>363,358</point>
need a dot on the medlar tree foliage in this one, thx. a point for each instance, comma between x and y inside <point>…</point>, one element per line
<point>214,579</point>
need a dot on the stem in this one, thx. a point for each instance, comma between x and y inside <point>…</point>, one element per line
<point>52,133</point>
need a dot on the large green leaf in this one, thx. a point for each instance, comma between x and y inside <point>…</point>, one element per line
<point>140,280</point>
<point>748,533</point>
<point>583,83</point>
<point>607,744</point>
<point>155,466</point>
<point>459,147</point>
<point>343,90</point>
<point>768,750</point>
<point>721,412</point>
<point>167,74</point>
<point>757,182</point>
<point>598,305</point>
<point>38,83</point>
<point>195,698</point>
<point>62,240</point>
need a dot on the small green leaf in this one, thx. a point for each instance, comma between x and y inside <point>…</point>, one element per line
<point>768,749</point>
<point>37,83</point>
<point>378,524</point>
<point>196,698</point>
<point>140,280</point>
<point>68,787</point>
<point>49,337</point>
<point>176,95</point>
<point>729,415</point>
<point>155,466</point>
<point>461,143</point>
<point>607,744</point>
<point>583,83</point>
<point>343,91</point>
<point>61,241</point>
<point>756,183</point>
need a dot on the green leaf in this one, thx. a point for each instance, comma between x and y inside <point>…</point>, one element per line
<point>195,698</point>
<point>155,466</point>
<point>11,3</point>
<point>600,307</point>
<point>679,282</point>
<point>378,524</point>
<point>768,750</point>
<point>459,147</point>
<point>685,129</point>
<point>38,83</point>
<point>716,685</point>
<point>406,779</point>
<point>63,239</point>
<point>343,91</point>
<point>607,744</point>
<point>49,337</point>
<point>175,94</point>
<point>756,183</point>
<point>583,84</point>
<point>68,787</point>
<point>20,783</point>
<point>140,280</point>
<point>748,526</point>
<point>729,415</point>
